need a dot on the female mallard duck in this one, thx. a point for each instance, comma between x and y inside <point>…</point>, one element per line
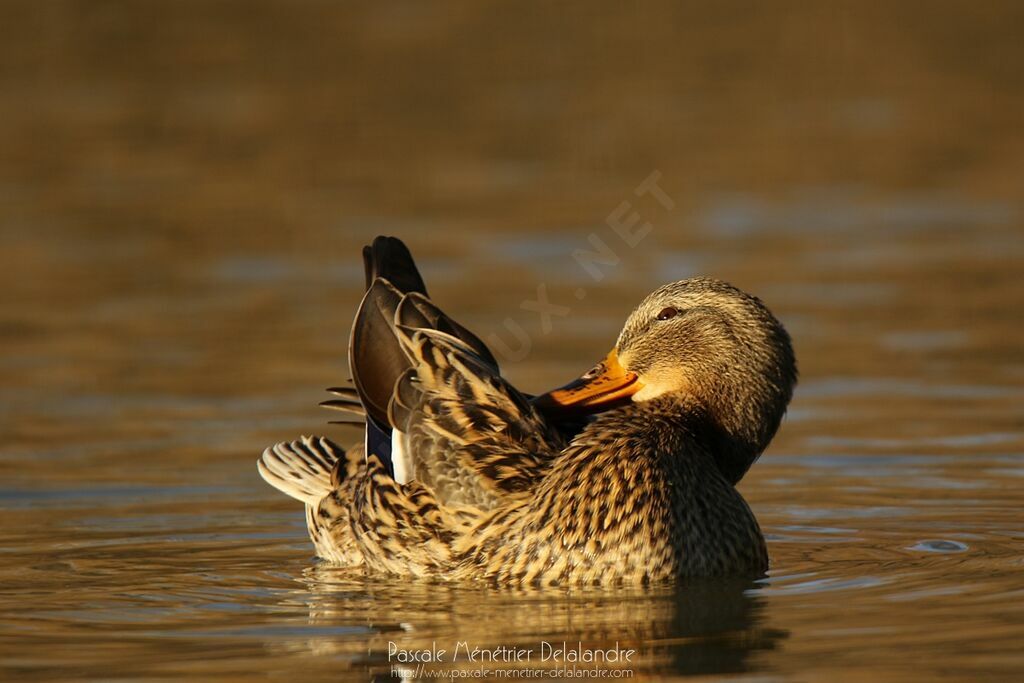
<point>461,476</point>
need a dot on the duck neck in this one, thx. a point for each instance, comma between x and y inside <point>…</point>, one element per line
<point>671,434</point>
<point>687,424</point>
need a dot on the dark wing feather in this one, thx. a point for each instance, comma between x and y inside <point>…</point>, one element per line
<point>389,258</point>
<point>376,359</point>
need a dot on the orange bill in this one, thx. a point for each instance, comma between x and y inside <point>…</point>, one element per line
<point>605,386</point>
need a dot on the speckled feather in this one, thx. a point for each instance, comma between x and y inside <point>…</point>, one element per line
<point>635,498</point>
<point>472,438</point>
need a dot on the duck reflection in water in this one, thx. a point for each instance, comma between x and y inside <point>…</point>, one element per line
<point>698,627</point>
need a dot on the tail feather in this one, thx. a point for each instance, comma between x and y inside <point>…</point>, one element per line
<point>349,403</point>
<point>302,468</point>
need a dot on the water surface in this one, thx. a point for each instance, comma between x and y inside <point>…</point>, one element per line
<point>184,191</point>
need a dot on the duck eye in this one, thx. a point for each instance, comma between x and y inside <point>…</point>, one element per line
<point>667,313</point>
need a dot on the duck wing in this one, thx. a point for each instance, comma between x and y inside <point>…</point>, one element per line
<point>437,409</point>
<point>376,359</point>
<point>466,432</point>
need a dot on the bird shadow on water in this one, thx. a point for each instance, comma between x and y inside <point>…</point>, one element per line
<point>696,628</point>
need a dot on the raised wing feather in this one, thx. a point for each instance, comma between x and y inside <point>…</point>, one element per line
<point>469,435</point>
<point>436,408</point>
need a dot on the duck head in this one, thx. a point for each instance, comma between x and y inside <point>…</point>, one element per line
<point>704,343</point>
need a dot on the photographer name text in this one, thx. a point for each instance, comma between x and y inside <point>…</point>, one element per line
<point>558,652</point>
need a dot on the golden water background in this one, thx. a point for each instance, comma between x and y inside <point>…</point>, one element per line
<point>184,187</point>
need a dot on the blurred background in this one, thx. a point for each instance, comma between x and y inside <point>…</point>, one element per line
<point>184,189</point>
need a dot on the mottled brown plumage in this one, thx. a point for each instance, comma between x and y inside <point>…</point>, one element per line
<point>487,485</point>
